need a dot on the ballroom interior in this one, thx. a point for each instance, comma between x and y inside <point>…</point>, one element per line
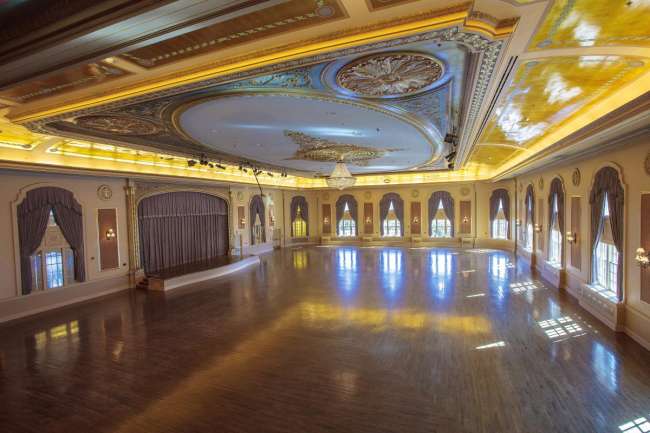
<point>325,216</point>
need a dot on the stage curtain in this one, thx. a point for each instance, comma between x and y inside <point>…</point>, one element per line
<point>181,227</point>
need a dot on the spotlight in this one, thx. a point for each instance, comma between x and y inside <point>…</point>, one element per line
<point>223,167</point>
<point>269,173</point>
<point>450,138</point>
<point>244,170</point>
<point>191,162</point>
<point>450,166</point>
<point>451,156</point>
<point>211,165</point>
<point>203,160</point>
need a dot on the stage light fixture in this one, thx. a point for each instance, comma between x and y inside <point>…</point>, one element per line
<point>203,160</point>
<point>450,156</point>
<point>450,166</point>
<point>269,173</point>
<point>222,167</point>
<point>191,162</point>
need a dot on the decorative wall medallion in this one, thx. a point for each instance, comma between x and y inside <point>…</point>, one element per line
<point>326,196</point>
<point>464,191</point>
<point>386,180</point>
<point>367,195</point>
<point>240,196</point>
<point>320,149</point>
<point>104,192</point>
<point>647,164</point>
<point>118,125</point>
<point>575,177</point>
<point>540,183</point>
<point>415,193</point>
<point>390,75</point>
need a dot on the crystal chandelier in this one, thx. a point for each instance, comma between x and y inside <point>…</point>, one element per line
<point>340,177</point>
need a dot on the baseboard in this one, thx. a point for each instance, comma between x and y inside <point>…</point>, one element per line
<point>23,306</point>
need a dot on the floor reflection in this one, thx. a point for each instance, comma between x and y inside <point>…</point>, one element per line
<point>442,266</point>
<point>390,261</point>
<point>605,365</point>
<point>347,270</point>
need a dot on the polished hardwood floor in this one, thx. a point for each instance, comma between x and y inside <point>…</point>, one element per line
<point>329,340</point>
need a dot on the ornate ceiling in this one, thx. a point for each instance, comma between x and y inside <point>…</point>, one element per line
<point>298,84</point>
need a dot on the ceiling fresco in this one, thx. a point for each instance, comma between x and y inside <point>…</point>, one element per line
<point>376,83</point>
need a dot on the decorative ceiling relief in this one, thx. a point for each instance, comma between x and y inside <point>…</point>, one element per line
<point>401,129</point>
<point>390,75</point>
<point>319,149</point>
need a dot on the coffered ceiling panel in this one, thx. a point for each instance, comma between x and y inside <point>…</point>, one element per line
<point>545,93</point>
<point>585,23</point>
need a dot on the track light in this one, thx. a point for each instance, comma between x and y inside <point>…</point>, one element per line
<point>450,138</point>
<point>450,156</point>
<point>222,167</point>
<point>191,162</point>
<point>211,165</point>
<point>269,173</point>
<point>203,160</point>
<point>450,166</point>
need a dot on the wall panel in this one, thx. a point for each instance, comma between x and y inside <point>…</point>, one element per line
<point>327,219</point>
<point>576,215</point>
<point>465,217</point>
<point>416,218</point>
<point>109,257</point>
<point>645,244</point>
<point>367,219</point>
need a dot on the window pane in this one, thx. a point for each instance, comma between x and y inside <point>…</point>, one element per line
<point>54,269</point>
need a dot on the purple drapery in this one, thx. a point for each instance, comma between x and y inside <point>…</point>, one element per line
<point>181,227</point>
<point>398,206</point>
<point>556,190</point>
<point>299,201</point>
<point>352,205</point>
<point>33,214</point>
<point>530,209</point>
<point>499,195</point>
<point>447,207</point>
<point>257,208</point>
<point>607,183</point>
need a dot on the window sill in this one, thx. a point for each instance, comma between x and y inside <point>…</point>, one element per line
<point>555,265</point>
<point>602,292</point>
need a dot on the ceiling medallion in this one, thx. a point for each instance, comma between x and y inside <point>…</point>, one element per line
<point>122,125</point>
<point>104,192</point>
<point>390,75</point>
<point>320,149</point>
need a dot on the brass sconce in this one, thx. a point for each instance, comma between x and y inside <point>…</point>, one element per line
<point>242,222</point>
<point>368,220</point>
<point>326,220</point>
<point>110,234</point>
<point>465,219</point>
<point>642,257</point>
<point>517,222</point>
<point>538,228</point>
<point>571,237</point>
<point>416,220</point>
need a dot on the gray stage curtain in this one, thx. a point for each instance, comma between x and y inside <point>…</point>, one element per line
<point>557,189</point>
<point>181,227</point>
<point>398,205</point>
<point>352,205</point>
<point>530,213</point>
<point>503,196</point>
<point>447,206</point>
<point>607,182</point>
<point>33,214</point>
<point>257,208</point>
<point>299,201</point>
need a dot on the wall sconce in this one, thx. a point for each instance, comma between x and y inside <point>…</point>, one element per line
<point>368,220</point>
<point>465,219</point>
<point>571,237</point>
<point>538,228</point>
<point>242,222</point>
<point>416,220</point>
<point>642,258</point>
<point>326,220</point>
<point>110,234</point>
<point>517,222</point>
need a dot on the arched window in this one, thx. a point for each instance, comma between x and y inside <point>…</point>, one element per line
<point>347,225</point>
<point>606,199</point>
<point>441,215</point>
<point>391,224</point>
<point>299,217</point>
<point>258,224</point>
<point>555,242</point>
<point>500,214</point>
<point>346,216</point>
<point>500,223</point>
<point>440,224</point>
<point>530,219</point>
<point>57,259</point>
<point>391,214</point>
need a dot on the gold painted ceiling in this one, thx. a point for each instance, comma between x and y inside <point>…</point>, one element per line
<point>567,63</point>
